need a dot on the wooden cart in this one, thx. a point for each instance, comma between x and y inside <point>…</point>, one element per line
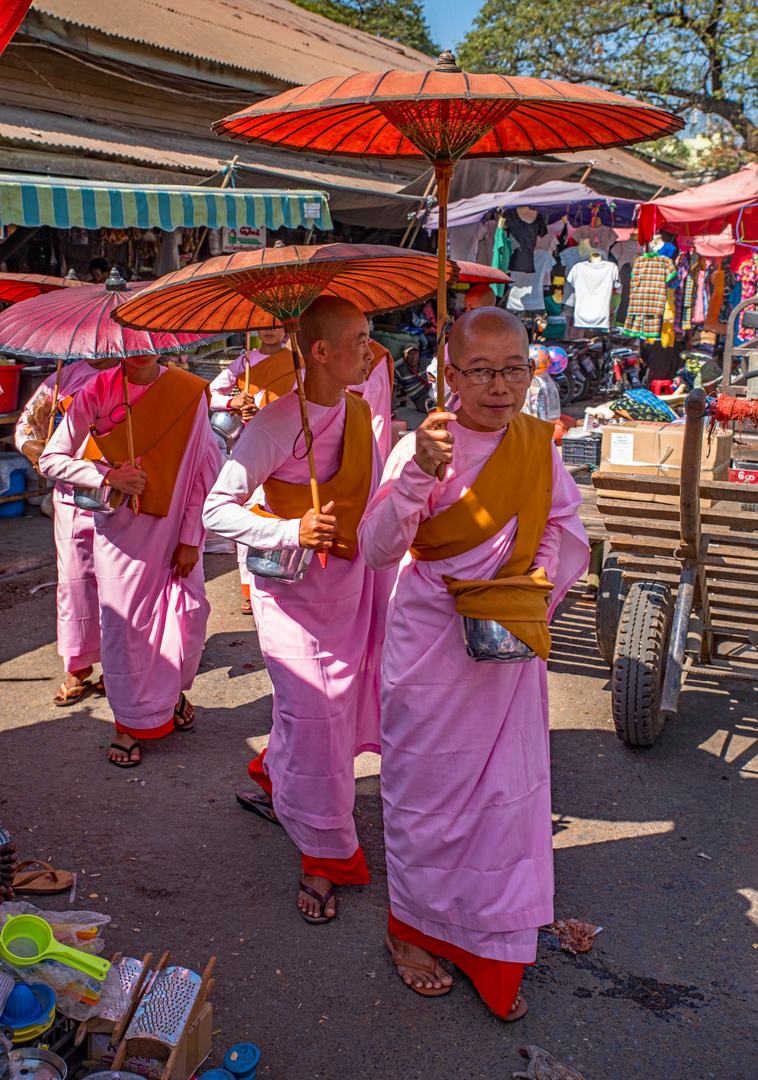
<point>679,593</point>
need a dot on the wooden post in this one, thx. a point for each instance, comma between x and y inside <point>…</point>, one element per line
<point>247,363</point>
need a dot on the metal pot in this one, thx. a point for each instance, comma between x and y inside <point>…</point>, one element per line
<point>36,1064</point>
<point>487,640</point>
<point>97,500</point>
<point>286,565</point>
<point>227,425</point>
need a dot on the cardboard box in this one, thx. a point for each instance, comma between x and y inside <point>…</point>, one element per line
<point>197,1046</point>
<point>650,449</point>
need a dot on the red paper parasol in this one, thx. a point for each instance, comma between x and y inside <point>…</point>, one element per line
<point>16,287</point>
<point>444,115</point>
<point>75,324</point>
<point>234,292</point>
<point>256,288</point>
<point>480,274</point>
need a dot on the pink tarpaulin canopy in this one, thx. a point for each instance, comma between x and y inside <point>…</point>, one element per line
<point>707,210</point>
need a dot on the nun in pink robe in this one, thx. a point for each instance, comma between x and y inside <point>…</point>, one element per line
<point>320,637</point>
<point>153,626</point>
<point>465,752</point>
<point>376,391</point>
<point>78,625</point>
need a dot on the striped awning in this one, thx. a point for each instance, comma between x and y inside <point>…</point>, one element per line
<point>93,204</point>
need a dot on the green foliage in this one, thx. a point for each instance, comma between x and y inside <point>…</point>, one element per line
<point>398,20</point>
<point>685,54</point>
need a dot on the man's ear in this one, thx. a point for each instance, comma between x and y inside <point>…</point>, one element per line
<point>450,377</point>
<point>319,351</point>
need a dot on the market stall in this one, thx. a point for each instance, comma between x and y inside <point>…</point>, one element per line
<point>52,224</point>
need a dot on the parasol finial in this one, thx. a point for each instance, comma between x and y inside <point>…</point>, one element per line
<point>115,282</point>
<point>447,63</point>
<point>279,244</point>
<point>71,278</point>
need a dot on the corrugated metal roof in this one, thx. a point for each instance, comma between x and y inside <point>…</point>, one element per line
<point>276,37</point>
<point>204,156</point>
<point>623,164</point>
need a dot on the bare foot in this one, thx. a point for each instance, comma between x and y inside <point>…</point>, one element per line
<point>71,689</point>
<point>411,976</point>
<point>308,904</point>
<point>124,749</point>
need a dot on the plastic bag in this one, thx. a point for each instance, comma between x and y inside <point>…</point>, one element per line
<point>77,995</point>
<point>77,929</point>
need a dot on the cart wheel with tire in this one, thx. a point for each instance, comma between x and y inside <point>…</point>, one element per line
<point>692,585</point>
<point>611,594</point>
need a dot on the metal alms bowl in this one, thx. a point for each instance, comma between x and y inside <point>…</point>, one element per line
<point>286,565</point>
<point>227,425</point>
<point>486,640</point>
<point>97,500</point>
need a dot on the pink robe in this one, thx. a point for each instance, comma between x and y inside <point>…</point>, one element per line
<point>321,637</point>
<point>78,626</point>
<point>465,753</point>
<point>225,386</point>
<point>376,391</point>
<point>153,627</point>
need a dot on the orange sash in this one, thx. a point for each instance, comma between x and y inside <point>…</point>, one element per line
<point>349,488</point>
<point>162,420</point>
<point>91,452</point>
<point>516,481</point>
<point>275,374</point>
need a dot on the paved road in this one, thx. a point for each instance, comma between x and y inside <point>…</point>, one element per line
<point>664,992</point>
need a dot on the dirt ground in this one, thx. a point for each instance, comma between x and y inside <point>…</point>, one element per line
<point>657,846</point>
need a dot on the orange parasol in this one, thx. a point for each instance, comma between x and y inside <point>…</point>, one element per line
<point>15,287</point>
<point>480,274</point>
<point>236,293</point>
<point>444,115</point>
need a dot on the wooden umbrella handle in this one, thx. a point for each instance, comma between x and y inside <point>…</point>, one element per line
<point>247,363</point>
<point>56,396</point>
<point>443,172</point>
<point>133,499</point>
<point>316,499</point>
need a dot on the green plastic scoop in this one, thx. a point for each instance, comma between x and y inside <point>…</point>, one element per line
<point>27,940</point>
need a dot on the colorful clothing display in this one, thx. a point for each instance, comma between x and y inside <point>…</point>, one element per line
<point>651,274</point>
<point>748,275</point>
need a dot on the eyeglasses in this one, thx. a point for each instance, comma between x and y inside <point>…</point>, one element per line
<point>513,374</point>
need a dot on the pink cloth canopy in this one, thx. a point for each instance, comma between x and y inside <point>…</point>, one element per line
<point>706,210</point>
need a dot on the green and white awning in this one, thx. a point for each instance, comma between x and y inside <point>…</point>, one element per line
<point>94,204</point>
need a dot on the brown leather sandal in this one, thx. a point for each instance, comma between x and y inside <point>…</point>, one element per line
<point>514,1014</point>
<point>69,695</point>
<point>323,901</point>
<point>431,971</point>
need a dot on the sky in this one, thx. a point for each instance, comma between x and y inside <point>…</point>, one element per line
<point>450,20</point>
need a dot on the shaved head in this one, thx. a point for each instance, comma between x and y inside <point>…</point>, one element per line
<point>325,320</point>
<point>479,296</point>
<point>483,322</point>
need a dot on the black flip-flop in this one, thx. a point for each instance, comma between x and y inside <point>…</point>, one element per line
<point>179,711</point>
<point>126,764</point>
<point>259,804</point>
<point>323,901</point>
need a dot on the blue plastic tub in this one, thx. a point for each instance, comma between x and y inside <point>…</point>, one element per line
<point>242,1061</point>
<point>16,484</point>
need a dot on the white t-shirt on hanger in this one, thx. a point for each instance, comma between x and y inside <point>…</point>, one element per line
<point>594,284</point>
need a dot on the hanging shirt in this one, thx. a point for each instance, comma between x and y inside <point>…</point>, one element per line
<point>525,234</point>
<point>601,238</point>
<point>594,282</point>
<point>527,290</point>
<point>651,274</point>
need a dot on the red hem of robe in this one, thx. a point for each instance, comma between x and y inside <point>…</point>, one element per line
<point>246,591</point>
<point>352,871</point>
<point>255,772</point>
<point>147,733</point>
<point>496,981</point>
